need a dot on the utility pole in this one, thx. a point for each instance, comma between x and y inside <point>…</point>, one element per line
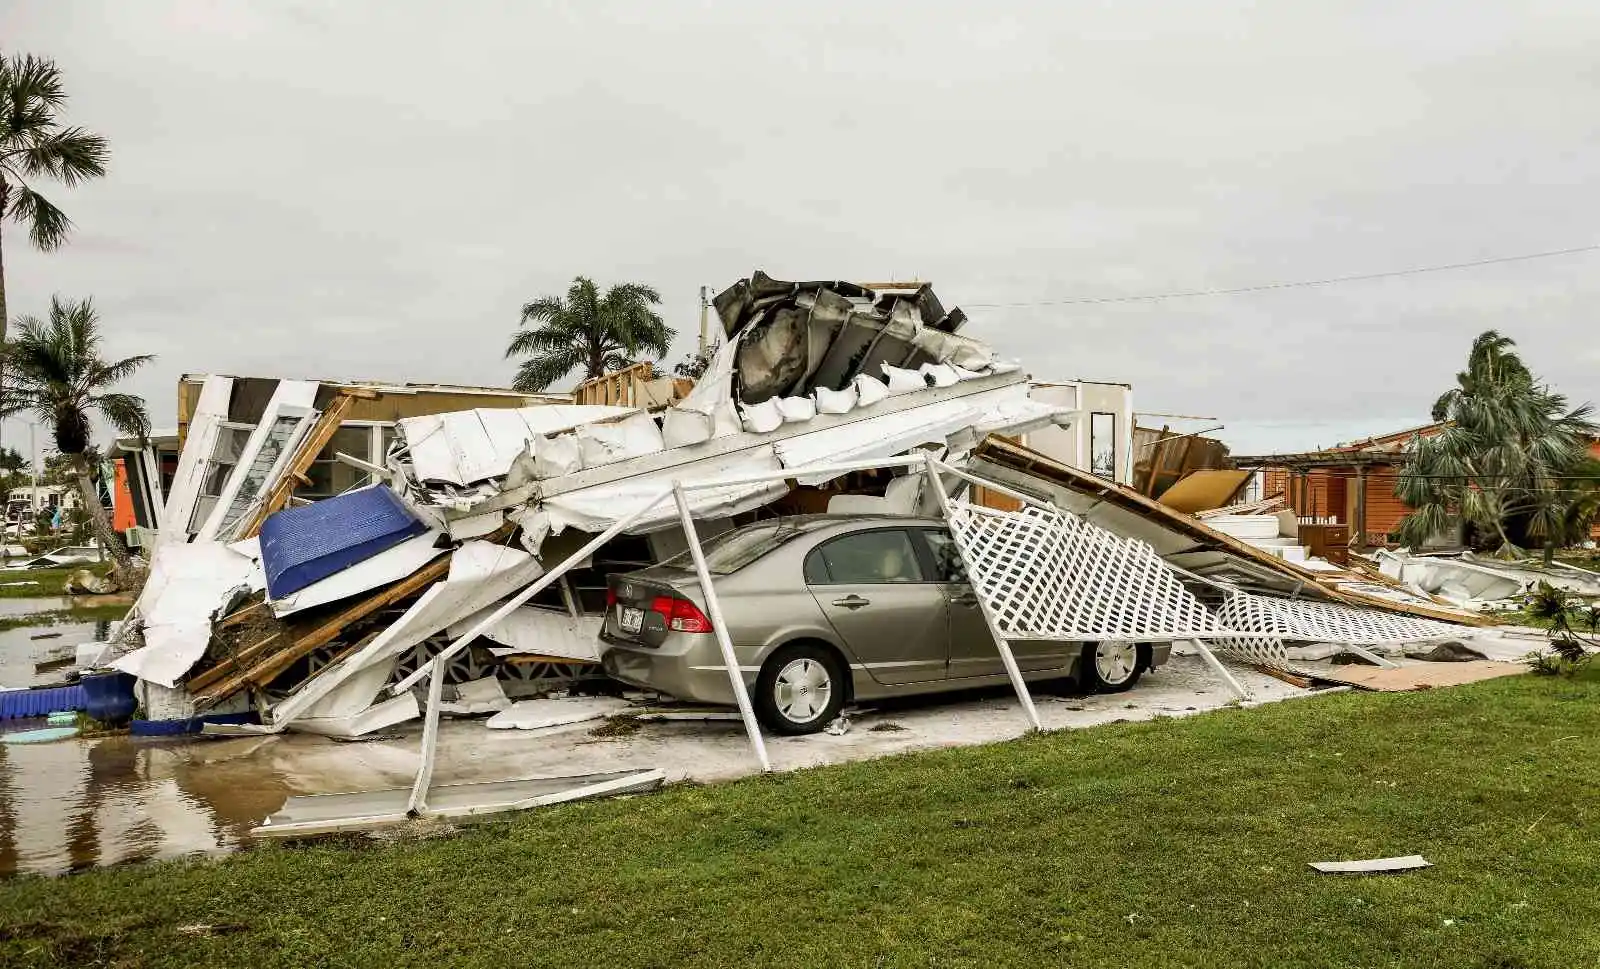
<point>33,464</point>
<point>705,306</point>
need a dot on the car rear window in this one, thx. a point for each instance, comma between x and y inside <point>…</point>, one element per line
<point>731,551</point>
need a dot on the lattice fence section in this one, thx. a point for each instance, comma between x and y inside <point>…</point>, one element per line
<point>1048,575</point>
<point>1052,575</point>
<point>1325,622</point>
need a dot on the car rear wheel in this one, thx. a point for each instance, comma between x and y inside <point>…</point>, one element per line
<point>800,690</point>
<point>1114,667</point>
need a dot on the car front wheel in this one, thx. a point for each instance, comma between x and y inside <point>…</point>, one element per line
<point>800,690</point>
<point>1114,667</point>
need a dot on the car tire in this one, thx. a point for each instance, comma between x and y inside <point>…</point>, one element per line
<point>800,690</point>
<point>1113,667</point>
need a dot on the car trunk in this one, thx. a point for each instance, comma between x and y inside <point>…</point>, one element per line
<point>641,605</point>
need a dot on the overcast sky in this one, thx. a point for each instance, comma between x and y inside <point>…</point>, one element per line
<point>371,189</point>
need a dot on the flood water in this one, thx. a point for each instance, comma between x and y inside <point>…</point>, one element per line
<point>75,803</point>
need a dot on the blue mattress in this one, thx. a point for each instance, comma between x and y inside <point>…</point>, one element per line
<point>301,546</point>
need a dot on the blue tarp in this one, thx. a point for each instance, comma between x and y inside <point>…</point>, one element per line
<point>300,546</point>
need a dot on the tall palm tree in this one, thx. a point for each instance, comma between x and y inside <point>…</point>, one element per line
<point>34,143</point>
<point>1510,463</point>
<point>54,370</point>
<point>586,330</point>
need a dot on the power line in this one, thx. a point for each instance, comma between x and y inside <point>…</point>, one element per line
<point>1331,280</point>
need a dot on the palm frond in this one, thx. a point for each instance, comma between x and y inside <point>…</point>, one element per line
<point>538,372</point>
<point>47,225</point>
<point>544,309</point>
<point>126,412</point>
<point>72,155</point>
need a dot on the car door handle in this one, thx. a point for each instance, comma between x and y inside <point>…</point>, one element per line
<point>852,602</point>
<point>965,599</point>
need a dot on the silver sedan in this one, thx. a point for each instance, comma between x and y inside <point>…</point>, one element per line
<point>823,610</point>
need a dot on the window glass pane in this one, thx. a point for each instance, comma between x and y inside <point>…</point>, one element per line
<point>731,551</point>
<point>882,556</point>
<point>945,557</point>
<point>330,476</point>
<point>1103,444</point>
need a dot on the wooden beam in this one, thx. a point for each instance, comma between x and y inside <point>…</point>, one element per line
<point>295,475</point>
<point>325,632</point>
<point>1360,537</point>
<point>230,664</point>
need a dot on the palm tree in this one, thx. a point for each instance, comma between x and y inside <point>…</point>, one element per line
<point>1511,462</point>
<point>597,333</point>
<point>34,143</point>
<point>53,369</point>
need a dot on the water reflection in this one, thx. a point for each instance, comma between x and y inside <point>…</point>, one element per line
<point>74,804</point>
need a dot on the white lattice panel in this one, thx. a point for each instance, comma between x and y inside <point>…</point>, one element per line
<point>1047,574</point>
<point>1324,622</point>
<point>1050,575</point>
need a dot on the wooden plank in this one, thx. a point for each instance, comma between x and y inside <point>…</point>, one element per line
<point>1302,682</point>
<point>326,632</point>
<point>295,475</point>
<point>229,664</point>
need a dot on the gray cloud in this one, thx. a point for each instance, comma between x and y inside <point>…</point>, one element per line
<point>372,189</point>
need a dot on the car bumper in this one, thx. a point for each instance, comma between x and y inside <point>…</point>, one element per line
<point>688,667</point>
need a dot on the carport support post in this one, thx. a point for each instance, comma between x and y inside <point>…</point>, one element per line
<point>989,619</point>
<point>720,628</point>
<point>1217,668</point>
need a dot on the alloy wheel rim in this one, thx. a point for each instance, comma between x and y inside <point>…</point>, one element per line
<point>1115,661</point>
<point>802,690</point>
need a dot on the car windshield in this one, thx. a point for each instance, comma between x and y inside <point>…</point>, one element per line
<point>731,551</point>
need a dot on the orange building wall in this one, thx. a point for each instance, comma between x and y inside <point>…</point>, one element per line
<point>122,517</point>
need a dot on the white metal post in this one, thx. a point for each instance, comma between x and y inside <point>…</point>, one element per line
<point>719,628</point>
<point>1217,668</point>
<point>1010,661</point>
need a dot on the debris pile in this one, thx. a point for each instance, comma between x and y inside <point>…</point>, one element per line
<point>307,614</point>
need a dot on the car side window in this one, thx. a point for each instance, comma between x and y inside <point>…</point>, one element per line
<point>886,555</point>
<point>946,559</point>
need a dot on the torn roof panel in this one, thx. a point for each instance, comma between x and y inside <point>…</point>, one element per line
<point>468,446</point>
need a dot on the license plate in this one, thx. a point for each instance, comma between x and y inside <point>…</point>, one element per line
<point>630,619</point>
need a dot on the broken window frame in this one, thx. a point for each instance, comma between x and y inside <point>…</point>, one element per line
<point>380,435</point>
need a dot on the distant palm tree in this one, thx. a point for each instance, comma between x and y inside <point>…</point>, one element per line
<point>53,369</point>
<point>34,143</point>
<point>1512,462</point>
<point>585,330</point>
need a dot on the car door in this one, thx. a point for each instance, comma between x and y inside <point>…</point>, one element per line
<point>972,648</point>
<point>873,588</point>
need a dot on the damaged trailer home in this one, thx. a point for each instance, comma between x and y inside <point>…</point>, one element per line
<point>476,559</point>
<point>300,616</point>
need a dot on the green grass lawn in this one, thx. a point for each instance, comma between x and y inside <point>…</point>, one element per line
<point>1172,843</point>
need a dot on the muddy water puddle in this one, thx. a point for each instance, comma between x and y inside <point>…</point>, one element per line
<point>78,803</point>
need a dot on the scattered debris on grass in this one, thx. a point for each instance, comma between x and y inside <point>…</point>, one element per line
<point>1372,866</point>
<point>1446,653</point>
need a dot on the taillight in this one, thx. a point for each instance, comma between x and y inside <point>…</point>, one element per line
<point>611,597</point>
<point>681,615</point>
